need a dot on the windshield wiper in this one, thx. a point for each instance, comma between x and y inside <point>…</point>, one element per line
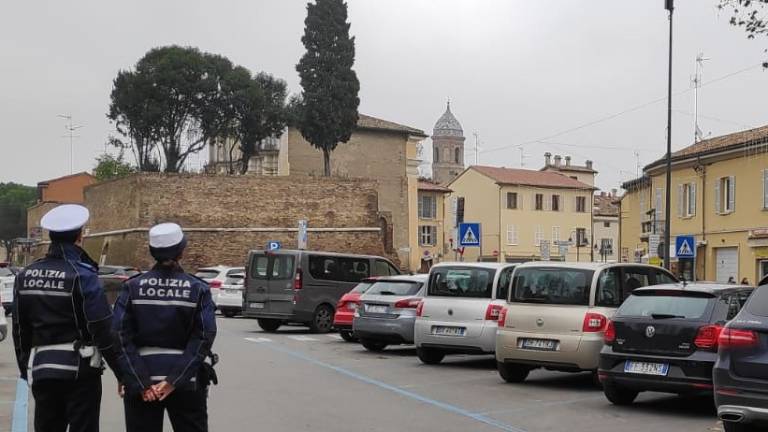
<point>665,316</point>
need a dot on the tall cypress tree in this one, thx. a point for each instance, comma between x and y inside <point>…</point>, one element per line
<point>327,112</point>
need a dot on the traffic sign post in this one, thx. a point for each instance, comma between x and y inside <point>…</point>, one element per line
<point>469,235</point>
<point>302,240</point>
<point>544,250</point>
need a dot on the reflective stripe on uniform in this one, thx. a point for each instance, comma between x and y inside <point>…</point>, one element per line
<point>162,378</point>
<point>55,366</point>
<point>148,351</point>
<point>46,293</point>
<point>164,303</point>
<point>60,347</point>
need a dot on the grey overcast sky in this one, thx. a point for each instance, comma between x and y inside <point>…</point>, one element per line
<point>515,71</point>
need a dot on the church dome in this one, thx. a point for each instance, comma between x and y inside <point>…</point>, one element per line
<point>447,125</point>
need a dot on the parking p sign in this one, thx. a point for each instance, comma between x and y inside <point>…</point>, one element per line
<point>273,245</point>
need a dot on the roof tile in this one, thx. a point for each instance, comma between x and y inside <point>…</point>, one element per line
<point>512,176</point>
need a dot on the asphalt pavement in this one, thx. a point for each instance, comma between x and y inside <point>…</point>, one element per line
<point>296,381</point>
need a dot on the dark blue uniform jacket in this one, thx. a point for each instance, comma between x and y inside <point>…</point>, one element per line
<point>165,324</point>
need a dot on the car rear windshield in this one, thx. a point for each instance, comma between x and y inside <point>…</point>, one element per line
<point>666,304</point>
<point>552,286</point>
<point>5,271</point>
<point>207,274</point>
<point>758,302</point>
<point>235,279</point>
<point>362,287</point>
<point>107,270</point>
<point>396,288</point>
<point>461,282</point>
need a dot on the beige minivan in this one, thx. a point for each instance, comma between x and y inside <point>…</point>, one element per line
<point>556,314</point>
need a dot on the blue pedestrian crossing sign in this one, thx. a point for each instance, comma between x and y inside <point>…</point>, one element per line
<point>273,245</point>
<point>685,247</point>
<point>469,234</point>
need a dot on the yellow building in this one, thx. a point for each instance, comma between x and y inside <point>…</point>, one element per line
<point>428,245</point>
<point>719,196</point>
<point>521,209</point>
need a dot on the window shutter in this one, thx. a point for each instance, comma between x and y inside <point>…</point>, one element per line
<point>533,201</point>
<point>680,200</point>
<point>692,198</point>
<point>765,188</point>
<point>732,193</point>
<point>717,196</point>
<point>547,202</point>
<point>434,207</point>
<point>421,206</point>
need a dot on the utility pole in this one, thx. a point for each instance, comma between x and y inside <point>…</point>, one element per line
<point>669,6</point>
<point>70,128</point>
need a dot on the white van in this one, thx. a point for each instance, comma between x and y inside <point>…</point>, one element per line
<point>459,312</point>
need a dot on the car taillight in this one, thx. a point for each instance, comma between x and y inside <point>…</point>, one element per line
<point>735,338</point>
<point>610,333</point>
<point>502,317</point>
<point>420,308</point>
<point>353,305</point>
<point>707,337</point>
<point>492,312</point>
<point>298,280</point>
<point>409,303</point>
<point>594,322</point>
<point>215,284</point>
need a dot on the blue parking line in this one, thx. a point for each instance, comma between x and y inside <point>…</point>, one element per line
<point>354,375</point>
<point>19,423</point>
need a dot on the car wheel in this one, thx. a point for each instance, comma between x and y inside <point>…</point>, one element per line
<point>322,322</point>
<point>430,356</point>
<point>269,325</point>
<point>374,346</point>
<point>229,313</point>
<point>347,335</point>
<point>619,395</point>
<point>513,373</point>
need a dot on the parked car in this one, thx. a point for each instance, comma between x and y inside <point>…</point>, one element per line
<point>230,298</point>
<point>557,313</point>
<point>216,276</point>
<point>387,311</point>
<point>346,308</point>
<point>664,339</point>
<point>741,371</point>
<point>7,279</point>
<point>459,312</point>
<point>295,286</point>
<point>112,278</point>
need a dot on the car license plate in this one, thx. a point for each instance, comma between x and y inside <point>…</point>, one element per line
<point>646,368</point>
<point>376,308</point>
<point>538,344</point>
<point>448,331</point>
<point>257,305</point>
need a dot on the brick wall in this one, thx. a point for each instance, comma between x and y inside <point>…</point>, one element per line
<point>212,207</point>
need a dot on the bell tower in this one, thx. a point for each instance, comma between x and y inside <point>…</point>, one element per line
<point>447,148</point>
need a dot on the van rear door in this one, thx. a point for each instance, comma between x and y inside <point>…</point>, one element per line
<point>282,272</point>
<point>256,295</point>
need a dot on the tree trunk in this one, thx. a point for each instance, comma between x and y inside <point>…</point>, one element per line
<point>326,162</point>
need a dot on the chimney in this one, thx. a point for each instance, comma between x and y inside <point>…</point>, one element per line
<point>567,161</point>
<point>547,159</point>
<point>557,160</point>
<point>614,191</point>
<point>589,164</point>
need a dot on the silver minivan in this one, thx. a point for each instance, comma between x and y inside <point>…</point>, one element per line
<point>303,287</point>
<point>460,309</point>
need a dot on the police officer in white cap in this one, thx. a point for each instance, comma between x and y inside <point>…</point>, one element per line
<point>165,323</point>
<point>62,328</point>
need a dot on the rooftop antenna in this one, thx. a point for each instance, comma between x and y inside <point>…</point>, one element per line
<point>522,157</point>
<point>696,82</point>
<point>637,164</point>
<point>70,128</point>
<point>477,154</point>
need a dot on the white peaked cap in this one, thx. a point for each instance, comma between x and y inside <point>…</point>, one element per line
<point>66,217</point>
<point>165,235</point>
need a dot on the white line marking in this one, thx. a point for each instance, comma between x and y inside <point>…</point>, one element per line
<point>302,338</point>
<point>258,340</point>
<point>334,336</point>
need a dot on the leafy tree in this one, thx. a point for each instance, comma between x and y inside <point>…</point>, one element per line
<point>749,15</point>
<point>327,111</point>
<point>14,201</point>
<point>111,167</point>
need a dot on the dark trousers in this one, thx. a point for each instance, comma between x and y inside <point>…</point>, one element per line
<point>187,410</point>
<point>59,404</point>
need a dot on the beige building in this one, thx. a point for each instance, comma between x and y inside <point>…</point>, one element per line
<point>428,247</point>
<point>605,231</point>
<point>719,196</point>
<point>519,210</point>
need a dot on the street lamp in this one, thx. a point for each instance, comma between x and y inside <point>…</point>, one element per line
<point>668,5</point>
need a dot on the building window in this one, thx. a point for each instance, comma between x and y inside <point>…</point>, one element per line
<point>437,155</point>
<point>427,206</point>
<point>725,195</point>
<point>512,200</point>
<point>555,202</point>
<point>538,201</point>
<point>686,203</point>
<point>427,235</point>
<point>581,204</point>
<point>606,224</point>
<point>538,236</point>
<point>581,237</point>
<point>457,155</point>
<point>511,235</point>
<point>555,234</point>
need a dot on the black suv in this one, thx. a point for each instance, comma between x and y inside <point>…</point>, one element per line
<point>741,371</point>
<point>664,338</point>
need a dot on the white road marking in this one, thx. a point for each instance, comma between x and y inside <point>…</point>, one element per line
<point>334,336</point>
<point>258,340</point>
<point>302,338</point>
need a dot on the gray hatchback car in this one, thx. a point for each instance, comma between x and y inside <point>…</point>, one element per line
<point>387,311</point>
